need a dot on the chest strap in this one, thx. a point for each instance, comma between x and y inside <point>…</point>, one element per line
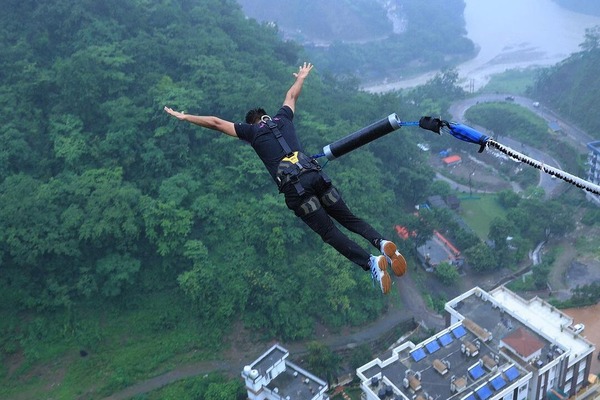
<point>293,164</point>
<point>275,129</point>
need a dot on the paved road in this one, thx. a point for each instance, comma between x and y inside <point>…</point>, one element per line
<point>570,134</point>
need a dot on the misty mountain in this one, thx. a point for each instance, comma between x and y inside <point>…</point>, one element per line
<point>323,22</point>
<point>372,40</point>
<point>591,7</point>
<point>572,87</point>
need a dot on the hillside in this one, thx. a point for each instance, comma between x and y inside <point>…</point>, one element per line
<point>572,87</point>
<point>137,238</point>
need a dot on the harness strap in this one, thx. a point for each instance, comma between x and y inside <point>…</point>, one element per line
<point>293,164</point>
<point>273,127</point>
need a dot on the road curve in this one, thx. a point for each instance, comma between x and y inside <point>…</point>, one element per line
<point>571,134</point>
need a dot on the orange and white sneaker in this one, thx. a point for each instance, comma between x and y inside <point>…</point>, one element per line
<point>393,256</point>
<point>378,266</point>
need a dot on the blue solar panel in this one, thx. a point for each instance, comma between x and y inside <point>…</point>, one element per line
<point>484,392</point>
<point>445,339</point>
<point>512,373</point>
<point>459,331</point>
<point>469,397</point>
<point>418,354</point>
<point>476,372</point>
<point>432,346</point>
<point>498,382</point>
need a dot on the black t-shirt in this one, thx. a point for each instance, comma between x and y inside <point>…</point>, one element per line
<point>264,142</point>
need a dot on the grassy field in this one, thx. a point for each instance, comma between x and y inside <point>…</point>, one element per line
<point>514,81</point>
<point>479,211</point>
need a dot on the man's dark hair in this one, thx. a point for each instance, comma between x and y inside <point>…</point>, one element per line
<point>253,116</point>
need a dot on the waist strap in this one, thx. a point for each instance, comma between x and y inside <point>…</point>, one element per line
<point>292,166</point>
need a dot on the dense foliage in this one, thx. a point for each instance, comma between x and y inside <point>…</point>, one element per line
<point>571,87</point>
<point>105,196</point>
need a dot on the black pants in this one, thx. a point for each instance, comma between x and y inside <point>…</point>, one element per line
<point>320,212</point>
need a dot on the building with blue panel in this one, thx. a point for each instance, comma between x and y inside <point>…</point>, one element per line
<point>594,170</point>
<point>496,346</point>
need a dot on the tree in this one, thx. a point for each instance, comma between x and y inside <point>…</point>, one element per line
<point>231,390</point>
<point>323,362</point>
<point>360,356</point>
<point>115,271</point>
<point>592,39</point>
<point>508,199</point>
<point>480,257</point>
<point>500,231</point>
<point>446,273</point>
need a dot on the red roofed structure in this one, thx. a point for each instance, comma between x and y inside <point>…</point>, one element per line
<point>524,344</point>
<point>452,160</point>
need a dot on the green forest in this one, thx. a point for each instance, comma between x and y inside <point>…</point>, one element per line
<point>131,242</point>
<point>110,209</point>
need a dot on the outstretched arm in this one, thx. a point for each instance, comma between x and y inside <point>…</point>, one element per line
<point>294,91</point>
<point>209,122</point>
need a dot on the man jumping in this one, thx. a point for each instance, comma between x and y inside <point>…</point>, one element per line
<point>308,192</point>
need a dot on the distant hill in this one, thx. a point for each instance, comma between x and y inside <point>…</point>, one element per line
<point>591,7</point>
<point>372,40</point>
<point>572,87</point>
<point>323,21</point>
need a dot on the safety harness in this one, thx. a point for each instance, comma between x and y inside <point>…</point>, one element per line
<point>294,164</point>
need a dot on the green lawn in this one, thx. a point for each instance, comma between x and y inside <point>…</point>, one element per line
<point>479,211</point>
<point>514,81</point>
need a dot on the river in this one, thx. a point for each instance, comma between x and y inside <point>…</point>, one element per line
<point>512,34</point>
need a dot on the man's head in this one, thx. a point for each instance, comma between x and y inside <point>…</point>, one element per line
<point>253,116</point>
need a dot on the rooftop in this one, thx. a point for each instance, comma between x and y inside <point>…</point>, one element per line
<point>296,383</point>
<point>273,371</point>
<point>544,319</point>
<point>450,365</point>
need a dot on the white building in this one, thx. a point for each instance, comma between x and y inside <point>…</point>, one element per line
<point>497,346</point>
<point>273,377</point>
<point>594,171</point>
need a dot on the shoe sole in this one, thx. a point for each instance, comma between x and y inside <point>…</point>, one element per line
<point>386,281</point>
<point>397,260</point>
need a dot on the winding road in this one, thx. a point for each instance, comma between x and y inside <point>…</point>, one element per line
<point>570,133</point>
<point>411,299</point>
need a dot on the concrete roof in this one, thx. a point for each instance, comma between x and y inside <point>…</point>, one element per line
<point>545,320</point>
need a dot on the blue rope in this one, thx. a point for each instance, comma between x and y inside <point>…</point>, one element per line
<point>414,123</point>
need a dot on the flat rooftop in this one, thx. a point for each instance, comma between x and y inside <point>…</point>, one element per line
<point>453,364</point>
<point>295,383</point>
<point>545,320</point>
<point>268,359</point>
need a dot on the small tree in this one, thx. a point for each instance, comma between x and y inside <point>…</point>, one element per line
<point>446,273</point>
<point>323,362</point>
